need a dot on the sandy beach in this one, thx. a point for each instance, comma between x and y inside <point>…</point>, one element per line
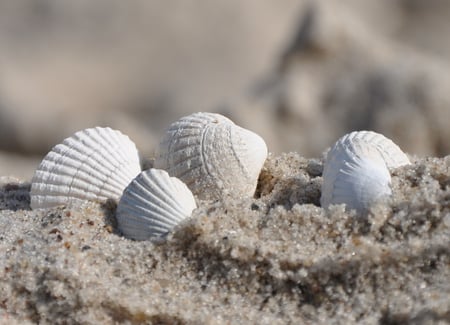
<point>299,73</point>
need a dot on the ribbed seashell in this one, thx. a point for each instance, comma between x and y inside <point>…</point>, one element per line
<point>152,204</point>
<point>94,164</point>
<point>356,170</point>
<point>212,155</point>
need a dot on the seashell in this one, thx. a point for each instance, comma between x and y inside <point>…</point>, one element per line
<point>152,204</point>
<point>212,156</point>
<point>356,170</point>
<point>92,165</point>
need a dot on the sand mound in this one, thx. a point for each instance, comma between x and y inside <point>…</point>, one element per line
<point>275,259</point>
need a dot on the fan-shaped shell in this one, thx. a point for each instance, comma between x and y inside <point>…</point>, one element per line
<point>153,204</point>
<point>356,170</point>
<point>212,155</point>
<point>94,164</point>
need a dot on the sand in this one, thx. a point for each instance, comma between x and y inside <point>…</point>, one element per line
<point>275,259</point>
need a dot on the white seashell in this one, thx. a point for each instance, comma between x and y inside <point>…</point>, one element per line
<point>212,156</point>
<point>92,165</point>
<point>356,170</point>
<point>153,204</point>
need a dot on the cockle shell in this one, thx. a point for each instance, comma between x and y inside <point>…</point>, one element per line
<point>94,164</point>
<point>212,155</point>
<point>356,170</point>
<point>152,204</point>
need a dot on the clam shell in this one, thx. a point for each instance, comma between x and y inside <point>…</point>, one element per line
<point>356,170</point>
<point>94,164</point>
<point>152,204</point>
<point>212,155</point>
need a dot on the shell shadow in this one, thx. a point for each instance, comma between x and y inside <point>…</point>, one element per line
<point>109,212</point>
<point>296,190</point>
<point>15,196</point>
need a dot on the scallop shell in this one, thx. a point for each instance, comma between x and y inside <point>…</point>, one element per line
<point>153,204</point>
<point>356,170</point>
<point>92,165</point>
<point>212,155</point>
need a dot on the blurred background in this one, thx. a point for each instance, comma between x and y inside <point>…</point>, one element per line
<point>300,73</point>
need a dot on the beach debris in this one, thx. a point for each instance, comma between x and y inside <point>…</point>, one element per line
<point>213,156</point>
<point>94,164</point>
<point>357,170</point>
<point>152,204</point>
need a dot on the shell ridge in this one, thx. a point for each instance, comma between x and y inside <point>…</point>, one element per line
<point>250,152</point>
<point>78,148</point>
<point>53,158</point>
<point>391,152</point>
<point>138,228</point>
<point>158,185</point>
<point>236,154</point>
<point>82,139</point>
<point>180,132</point>
<point>186,162</point>
<point>93,158</point>
<point>204,150</point>
<point>141,215</point>
<point>67,173</point>
<point>147,185</point>
<point>77,174</point>
<point>169,146</point>
<point>56,162</point>
<point>160,219</point>
<point>121,141</point>
<point>204,118</point>
<point>57,189</point>
<point>64,197</point>
<point>137,199</point>
<point>141,233</point>
<point>173,186</point>
<point>179,156</point>
<point>144,216</point>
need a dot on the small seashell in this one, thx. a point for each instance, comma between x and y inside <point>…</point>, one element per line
<point>212,156</point>
<point>92,165</point>
<point>153,204</point>
<point>356,170</point>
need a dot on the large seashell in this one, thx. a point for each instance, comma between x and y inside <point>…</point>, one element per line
<point>356,170</point>
<point>153,204</point>
<point>92,165</point>
<point>212,155</point>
